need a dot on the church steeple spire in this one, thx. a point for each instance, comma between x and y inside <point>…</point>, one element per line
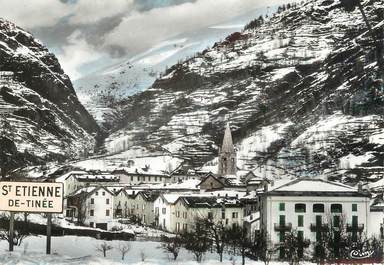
<point>227,154</point>
<point>227,140</point>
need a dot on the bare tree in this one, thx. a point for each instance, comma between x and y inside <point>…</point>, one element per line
<point>171,245</point>
<point>219,235</point>
<point>198,242</point>
<point>20,231</point>
<point>261,248</point>
<point>237,238</point>
<point>124,249</point>
<point>104,247</point>
<point>293,246</point>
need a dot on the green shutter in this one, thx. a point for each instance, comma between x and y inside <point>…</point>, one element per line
<point>282,206</point>
<point>354,207</point>
<point>300,220</point>
<point>355,220</point>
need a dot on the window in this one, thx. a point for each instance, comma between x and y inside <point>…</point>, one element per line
<point>281,236</point>
<point>355,220</point>
<point>107,201</point>
<point>155,179</point>
<point>300,208</point>
<point>103,193</point>
<point>318,208</point>
<point>281,206</point>
<point>185,227</point>
<point>235,215</point>
<point>300,235</point>
<point>222,215</point>
<point>164,210</point>
<point>336,221</point>
<point>107,213</point>
<point>210,215</point>
<point>178,214</point>
<point>282,220</point>
<point>131,178</point>
<point>92,201</point>
<point>319,220</point>
<point>143,207</point>
<point>226,221</point>
<point>300,220</point>
<point>178,227</point>
<point>354,207</point>
<point>97,193</point>
<point>91,212</point>
<point>336,208</point>
<point>185,215</point>
<point>149,179</point>
<point>91,224</point>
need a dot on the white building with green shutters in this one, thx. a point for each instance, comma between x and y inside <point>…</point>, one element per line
<point>308,205</point>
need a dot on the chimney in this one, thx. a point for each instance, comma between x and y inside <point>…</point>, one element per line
<point>360,187</point>
<point>265,187</point>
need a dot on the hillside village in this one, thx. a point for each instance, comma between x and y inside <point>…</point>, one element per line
<point>269,142</point>
<point>172,202</point>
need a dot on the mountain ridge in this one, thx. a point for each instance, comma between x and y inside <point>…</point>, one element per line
<point>309,63</point>
<point>39,106</point>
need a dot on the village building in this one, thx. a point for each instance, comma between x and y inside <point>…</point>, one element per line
<point>134,176</point>
<point>123,203</point>
<point>142,207</point>
<point>213,182</point>
<point>91,206</point>
<point>307,205</point>
<point>164,211</point>
<point>188,209</point>
<point>74,180</point>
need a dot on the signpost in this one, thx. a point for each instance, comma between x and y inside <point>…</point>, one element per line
<point>33,197</point>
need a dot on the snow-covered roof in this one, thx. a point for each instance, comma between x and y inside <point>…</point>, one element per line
<point>252,217</point>
<point>377,185</point>
<point>314,187</point>
<point>209,202</point>
<point>89,190</point>
<point>64,177</point>
<point>98,177</point>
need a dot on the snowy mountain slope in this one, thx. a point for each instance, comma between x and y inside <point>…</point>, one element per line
<point>301,89</point>
<point>41,114</point>
<point>98,90</point>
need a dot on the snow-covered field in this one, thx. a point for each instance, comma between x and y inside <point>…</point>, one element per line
<point>82,250</point>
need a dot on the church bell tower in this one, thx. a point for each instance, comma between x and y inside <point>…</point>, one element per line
<point>227,155</point>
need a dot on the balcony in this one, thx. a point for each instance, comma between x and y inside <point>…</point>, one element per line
<point>319,227</point>
<point>283,227</point>
<point>355,228</point>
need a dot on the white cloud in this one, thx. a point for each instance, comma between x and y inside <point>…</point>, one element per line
<point>91,11</point>
<point>33,13</point>
<point>76,54</point>
<point>139,31</point>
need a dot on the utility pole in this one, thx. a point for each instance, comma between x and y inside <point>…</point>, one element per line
<point>49,229</point>
<point>11,230</point>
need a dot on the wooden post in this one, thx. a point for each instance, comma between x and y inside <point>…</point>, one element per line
<point>11,230</point>
<point>49,226</point>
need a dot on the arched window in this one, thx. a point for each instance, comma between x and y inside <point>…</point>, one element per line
<point>300,208</point>
<point>318,208</point>
<point>336,208</point>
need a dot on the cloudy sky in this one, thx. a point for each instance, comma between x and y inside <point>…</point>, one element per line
<point>89,34</point>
